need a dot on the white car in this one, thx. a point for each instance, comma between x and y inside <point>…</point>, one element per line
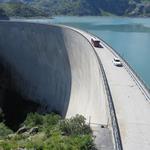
<point>117,62</point>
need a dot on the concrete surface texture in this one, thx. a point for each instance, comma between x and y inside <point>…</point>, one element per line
<point>55,66</point>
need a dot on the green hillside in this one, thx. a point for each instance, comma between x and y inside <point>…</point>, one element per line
<point>29,8</point>
<point>93,7</point>
<point>81,7</point>
<point>21,10</point>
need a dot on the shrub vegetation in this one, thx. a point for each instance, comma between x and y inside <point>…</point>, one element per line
<point>54,133</point>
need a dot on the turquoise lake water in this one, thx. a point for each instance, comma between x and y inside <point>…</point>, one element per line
<point>130,37</point>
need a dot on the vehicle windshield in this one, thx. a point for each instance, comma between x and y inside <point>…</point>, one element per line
<point>116,59</point>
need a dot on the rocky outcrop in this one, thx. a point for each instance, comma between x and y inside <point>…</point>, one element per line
<point>138,9</point>
<point>22,130</point>
<point>27,131</point>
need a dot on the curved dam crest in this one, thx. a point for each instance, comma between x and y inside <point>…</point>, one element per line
<point>54,66</point>
<point>57,66</point>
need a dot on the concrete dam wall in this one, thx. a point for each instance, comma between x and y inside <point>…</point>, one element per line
<point>53,65</point>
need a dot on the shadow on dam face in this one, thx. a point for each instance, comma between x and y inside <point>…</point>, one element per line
<point>13,107</point>
<point>37,59</point>
<point>53,66</point>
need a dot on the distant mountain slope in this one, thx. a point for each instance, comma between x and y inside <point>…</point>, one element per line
<point>90,7</point>
<point>19,9</point>
<point>93,7</point>
<point>81,7</point>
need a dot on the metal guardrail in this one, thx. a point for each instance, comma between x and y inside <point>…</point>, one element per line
<point>114,122</point>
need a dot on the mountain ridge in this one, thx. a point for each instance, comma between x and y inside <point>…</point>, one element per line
<point>88,7</point>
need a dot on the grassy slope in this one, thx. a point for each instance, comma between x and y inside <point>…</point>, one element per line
<point>53,133</point>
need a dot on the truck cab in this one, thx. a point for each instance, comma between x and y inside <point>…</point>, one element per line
<point>95,42</point>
